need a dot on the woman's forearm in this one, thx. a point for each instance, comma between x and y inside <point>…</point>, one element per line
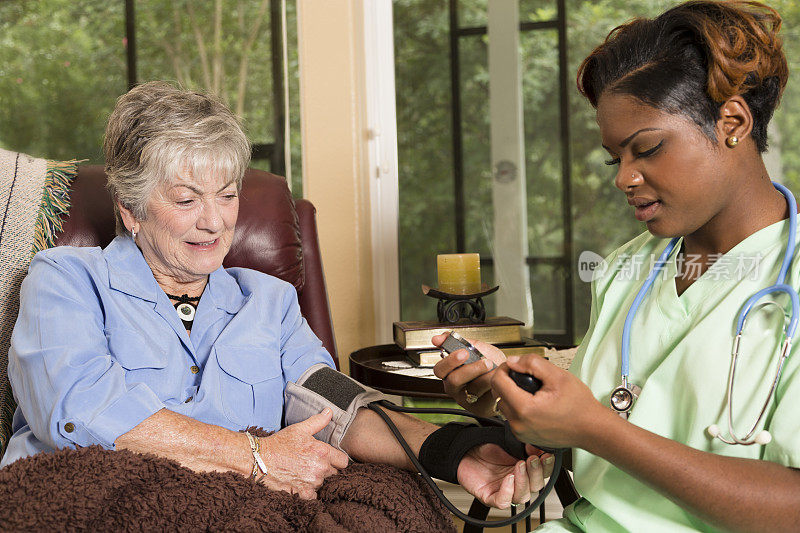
<point>737,494</point>
<point>369,439</point>
<point>205,447</point>
<point>196,445</point>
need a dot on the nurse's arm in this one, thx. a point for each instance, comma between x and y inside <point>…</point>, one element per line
<point>733,493</point>
<point>737,494</point>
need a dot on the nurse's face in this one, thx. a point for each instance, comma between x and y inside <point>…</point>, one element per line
<point>670,172</point>
<point>189,227</point>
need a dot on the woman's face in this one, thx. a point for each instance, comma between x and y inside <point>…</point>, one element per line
<point>670,172</point>
<point>189,226</point>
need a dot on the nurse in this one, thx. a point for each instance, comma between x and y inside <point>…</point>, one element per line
<point>683,102</point>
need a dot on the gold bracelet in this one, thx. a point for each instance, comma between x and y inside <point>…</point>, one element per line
<point>258,463</point>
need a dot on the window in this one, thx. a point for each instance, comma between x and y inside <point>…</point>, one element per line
<point>442,80</point>
<point>63,64</point>
<point>444,151</point>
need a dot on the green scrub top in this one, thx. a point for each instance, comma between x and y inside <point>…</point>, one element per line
<point>680,357</point>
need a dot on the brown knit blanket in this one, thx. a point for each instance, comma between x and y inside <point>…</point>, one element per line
<point>92,489</point>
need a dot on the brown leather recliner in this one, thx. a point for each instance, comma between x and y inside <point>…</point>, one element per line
<point>274,234</point>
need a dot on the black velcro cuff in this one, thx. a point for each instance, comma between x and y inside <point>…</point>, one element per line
<point>331,384</point>
<point>442,451</point>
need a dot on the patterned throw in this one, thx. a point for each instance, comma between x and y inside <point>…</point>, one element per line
<point>34,194</point>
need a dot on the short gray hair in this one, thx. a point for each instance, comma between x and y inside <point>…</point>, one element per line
<point>157,132</point>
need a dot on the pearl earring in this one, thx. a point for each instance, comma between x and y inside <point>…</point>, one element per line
<point>133,233</point>
<point>732,141</point>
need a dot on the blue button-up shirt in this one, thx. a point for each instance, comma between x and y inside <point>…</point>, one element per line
<point>98,347</point>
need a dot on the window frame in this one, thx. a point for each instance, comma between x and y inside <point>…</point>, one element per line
<point>274,151</point>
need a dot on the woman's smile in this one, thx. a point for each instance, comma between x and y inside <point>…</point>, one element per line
<point>203,245</point>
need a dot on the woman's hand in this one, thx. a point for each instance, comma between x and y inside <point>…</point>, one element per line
<point>474,378</point>
<point>498,479</point>
<point>296,461</point>
<point>559,415</point>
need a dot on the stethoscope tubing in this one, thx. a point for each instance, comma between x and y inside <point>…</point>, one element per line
<point>789,254</point>
<point>782,287</point>
<point>637,301</point>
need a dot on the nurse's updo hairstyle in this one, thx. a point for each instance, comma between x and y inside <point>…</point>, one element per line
<point>691,59</point>
<point>158,132</point>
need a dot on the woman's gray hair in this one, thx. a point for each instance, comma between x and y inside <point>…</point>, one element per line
<point>158,132</point>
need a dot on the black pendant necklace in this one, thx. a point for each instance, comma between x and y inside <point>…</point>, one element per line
<point>186,307</point>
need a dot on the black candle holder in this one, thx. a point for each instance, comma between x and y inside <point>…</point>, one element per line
<point>454,308</point>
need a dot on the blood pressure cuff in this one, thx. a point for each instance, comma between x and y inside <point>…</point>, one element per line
<point>443,450</point>
<point>319,387</point>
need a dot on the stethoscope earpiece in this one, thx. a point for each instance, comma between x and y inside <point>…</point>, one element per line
<point>763,437</point>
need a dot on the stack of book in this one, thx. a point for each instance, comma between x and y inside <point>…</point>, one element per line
<point>502,331</point>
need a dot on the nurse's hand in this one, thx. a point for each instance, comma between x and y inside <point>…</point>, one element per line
<point>474,379</point>
<point>296,461</point>
<point>559,415</point>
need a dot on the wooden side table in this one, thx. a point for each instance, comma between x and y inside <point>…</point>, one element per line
<point>372,367</point>
<point>369,366</point>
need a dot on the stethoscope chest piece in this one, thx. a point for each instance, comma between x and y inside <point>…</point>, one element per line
<point>623,398</point>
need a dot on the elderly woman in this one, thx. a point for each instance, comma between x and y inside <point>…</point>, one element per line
<point>150,345</point>
<point>683,102</point>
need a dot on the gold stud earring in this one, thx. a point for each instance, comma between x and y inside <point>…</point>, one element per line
<point>732,141</point>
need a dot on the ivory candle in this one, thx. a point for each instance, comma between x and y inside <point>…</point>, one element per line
<point>459,273</point>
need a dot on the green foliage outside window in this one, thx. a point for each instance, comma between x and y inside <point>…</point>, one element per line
<point>63,63</point>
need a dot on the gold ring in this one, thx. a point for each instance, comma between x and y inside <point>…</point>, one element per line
<point>496,407</point>
<point>471,398</point>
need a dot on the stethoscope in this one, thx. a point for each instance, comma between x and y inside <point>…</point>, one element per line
<point>624,396</point>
